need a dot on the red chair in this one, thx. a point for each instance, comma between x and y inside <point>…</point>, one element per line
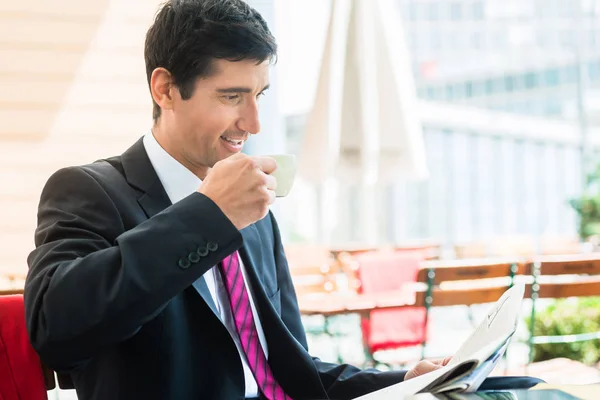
<point>22,376</point>
<point>392,328</point>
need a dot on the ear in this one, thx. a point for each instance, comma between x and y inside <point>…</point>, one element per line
<point>161,86</point>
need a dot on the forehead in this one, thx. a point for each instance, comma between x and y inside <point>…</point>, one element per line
<point>245,73</point>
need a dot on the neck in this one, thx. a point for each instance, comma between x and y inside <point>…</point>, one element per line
<point>164,138</point>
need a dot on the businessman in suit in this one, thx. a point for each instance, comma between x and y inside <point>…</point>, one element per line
<point>160,273</point>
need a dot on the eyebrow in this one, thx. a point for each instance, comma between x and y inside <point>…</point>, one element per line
<point>239,89</point>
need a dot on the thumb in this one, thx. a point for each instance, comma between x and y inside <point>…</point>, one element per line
<point>422,368</point>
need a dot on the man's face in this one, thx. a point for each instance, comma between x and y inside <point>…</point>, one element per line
<point>220,116</point>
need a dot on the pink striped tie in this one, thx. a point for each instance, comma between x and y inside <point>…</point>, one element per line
<point>244,323</point>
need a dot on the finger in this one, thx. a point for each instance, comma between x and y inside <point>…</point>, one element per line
<point>446,360</point>
<point>430,366</point>
<point>266,164</point>
<point>271,182</point>
<point>272,196</point>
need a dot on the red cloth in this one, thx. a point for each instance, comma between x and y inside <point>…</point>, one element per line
<point>393,328</point>
<point>21,376</point>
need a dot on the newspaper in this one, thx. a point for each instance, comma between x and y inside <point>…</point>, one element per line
<point>473,361</point>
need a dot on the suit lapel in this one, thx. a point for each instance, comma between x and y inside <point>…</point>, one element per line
<point>252,259</point>
<point>140,174</point>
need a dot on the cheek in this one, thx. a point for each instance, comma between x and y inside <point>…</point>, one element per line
<point>207,120</point>
<point>219,121</point>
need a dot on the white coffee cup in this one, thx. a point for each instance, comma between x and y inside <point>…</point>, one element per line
<point>285,173</point>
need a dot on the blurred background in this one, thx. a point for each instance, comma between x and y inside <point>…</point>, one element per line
<point>506,93</point>
<point>467,128</point>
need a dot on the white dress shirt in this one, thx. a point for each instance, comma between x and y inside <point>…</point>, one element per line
<point>179,182</point>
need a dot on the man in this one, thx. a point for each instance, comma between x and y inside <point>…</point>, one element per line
<point>160,274</point>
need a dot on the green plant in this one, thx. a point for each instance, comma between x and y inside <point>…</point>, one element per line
<point>587,206</point>
<point>567,317</point>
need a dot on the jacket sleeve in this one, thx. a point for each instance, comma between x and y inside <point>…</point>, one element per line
<point>340,381</point>
<point>92,284</point>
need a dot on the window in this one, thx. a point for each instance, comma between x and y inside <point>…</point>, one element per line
<point>434,11</point>
<point>519,82</point>
<point>439,92</point>
<point>531,80</point>
<point>569,74</point>
<point>594,70</point>
<point>430,92</point>
<point>469,89</point>
<point>449,92</point>
<point>477,11</point>
<point>551,77</point>
<point>553,107</point>
<point>509,83</point>
<point>456,11</point>
<point>489,87</point>
<point>499,86</point>
<point>459,91</point>
<point>478,88</point>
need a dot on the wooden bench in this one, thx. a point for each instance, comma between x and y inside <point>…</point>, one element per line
<point>557,277</point>
<point>465,282</point>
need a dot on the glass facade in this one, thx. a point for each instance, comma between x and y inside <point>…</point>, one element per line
<point>504,54</point>
<point>523,92</point>
<point>480,186</point>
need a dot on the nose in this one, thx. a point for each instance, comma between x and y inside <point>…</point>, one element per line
<point>249,120</point>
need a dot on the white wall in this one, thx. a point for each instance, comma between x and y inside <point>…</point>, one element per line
<point>73,90</point>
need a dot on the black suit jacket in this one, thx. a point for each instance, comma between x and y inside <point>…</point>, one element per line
<point>113,295</point>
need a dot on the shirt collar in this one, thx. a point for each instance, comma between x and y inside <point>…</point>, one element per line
<point>178,181</point>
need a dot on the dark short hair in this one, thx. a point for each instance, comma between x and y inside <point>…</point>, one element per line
<point>187,35</point>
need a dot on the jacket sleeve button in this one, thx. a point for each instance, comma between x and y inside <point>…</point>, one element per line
<point>194,257</point>
<point>184,263</point>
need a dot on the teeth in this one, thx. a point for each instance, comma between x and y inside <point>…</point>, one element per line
<point>236,142</point>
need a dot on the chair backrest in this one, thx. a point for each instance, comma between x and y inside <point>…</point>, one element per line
<point>565,276</point>
<point>466,282</point>
<point>312,279</point>
<point>22,373</point>
<point>388,271</point>
<point>312,268</point>
<point>11,283</point>
<point>556,277</point>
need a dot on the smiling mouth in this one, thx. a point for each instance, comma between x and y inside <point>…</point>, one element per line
<point>234,142</point>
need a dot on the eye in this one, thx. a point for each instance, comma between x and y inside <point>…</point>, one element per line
<point>260,94</point>
<point>231,97</point>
